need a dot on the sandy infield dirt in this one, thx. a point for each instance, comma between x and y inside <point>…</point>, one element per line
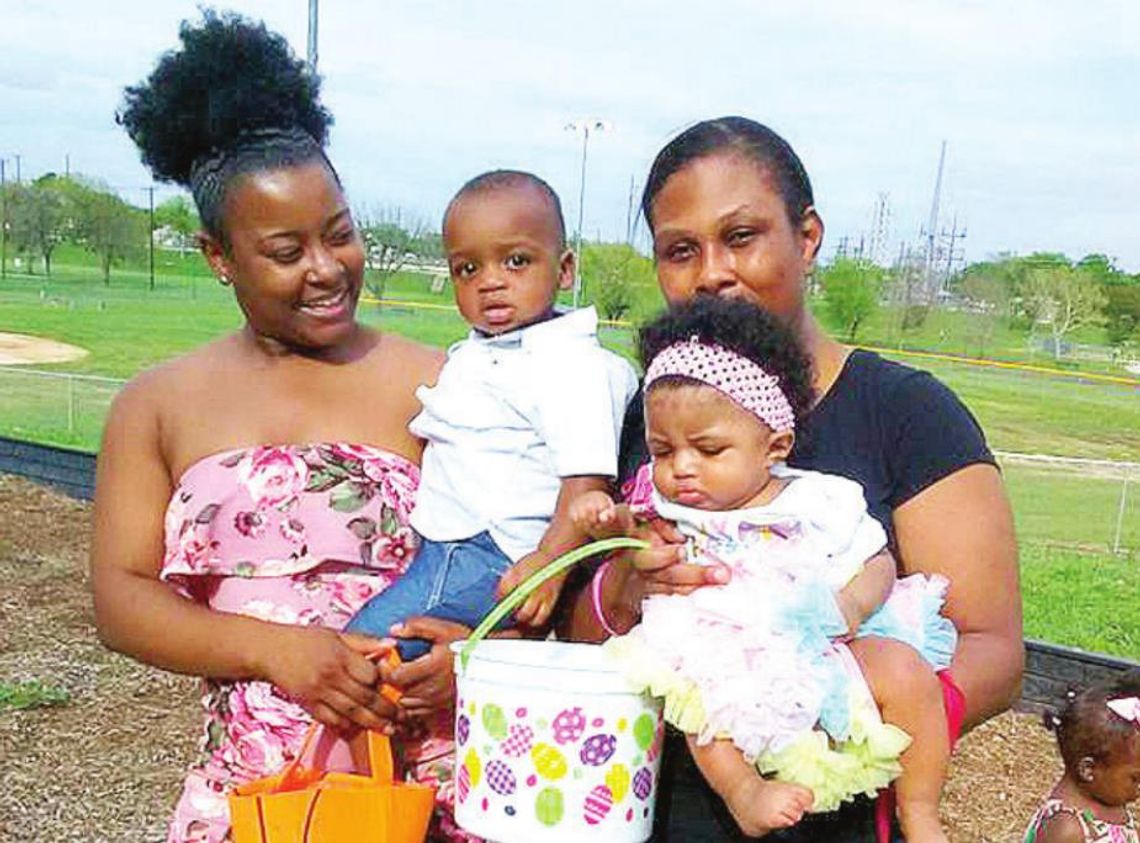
<point>22,349</point>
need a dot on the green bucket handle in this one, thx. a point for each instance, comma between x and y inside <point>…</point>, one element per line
<point>527,587</point>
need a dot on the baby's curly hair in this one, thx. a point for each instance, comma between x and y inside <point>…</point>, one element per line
<point>1087,728</point>
<point>233,100</point>
<point>739,326</point>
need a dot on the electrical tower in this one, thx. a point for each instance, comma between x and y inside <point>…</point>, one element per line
<point>880,230</point>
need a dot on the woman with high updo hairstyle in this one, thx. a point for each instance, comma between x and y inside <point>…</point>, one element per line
<point>254,493</point>
<point>731,211</point>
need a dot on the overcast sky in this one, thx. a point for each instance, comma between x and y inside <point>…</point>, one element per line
<point>1039,101</point>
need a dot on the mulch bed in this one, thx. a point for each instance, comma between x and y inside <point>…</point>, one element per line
<point>107,765</point>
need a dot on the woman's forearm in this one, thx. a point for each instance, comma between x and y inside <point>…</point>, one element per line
<point>988,668</point>
<point>144,618</point>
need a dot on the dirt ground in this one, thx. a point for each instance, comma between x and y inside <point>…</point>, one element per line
<point>18,349</point>
<point>107,765</point>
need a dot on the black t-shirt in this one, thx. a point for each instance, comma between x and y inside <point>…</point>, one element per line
<point>894,429</point>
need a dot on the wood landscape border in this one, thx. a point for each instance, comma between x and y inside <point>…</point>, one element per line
<point>1050,669</point>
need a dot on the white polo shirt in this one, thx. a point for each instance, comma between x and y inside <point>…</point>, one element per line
<point>510,417</point>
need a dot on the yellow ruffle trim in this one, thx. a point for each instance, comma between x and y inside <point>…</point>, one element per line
<point>835,772</point>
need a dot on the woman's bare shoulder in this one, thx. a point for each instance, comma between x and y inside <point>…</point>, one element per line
<point>179,374</point>
<point>413,360</point>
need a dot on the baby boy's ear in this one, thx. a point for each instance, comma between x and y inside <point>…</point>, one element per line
<point>566,265</point>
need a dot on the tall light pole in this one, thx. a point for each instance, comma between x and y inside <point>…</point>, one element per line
<point>312,52</point>
<point>585,126</point>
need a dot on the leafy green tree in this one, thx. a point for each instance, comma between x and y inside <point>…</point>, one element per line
<point>177,215</point>
<point>612,275</point>
<point>1122,313</point>
<point>1063,299</point>
<point>39,218</point>
<point>107,226</point>
<point>1102,270</point>
<point>851,291</point>
<point>987,295</point>
<point>392,240</point>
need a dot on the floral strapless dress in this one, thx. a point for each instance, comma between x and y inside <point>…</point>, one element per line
<point>296,534</point>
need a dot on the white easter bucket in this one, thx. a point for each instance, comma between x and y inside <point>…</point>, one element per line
<point>552,745</point>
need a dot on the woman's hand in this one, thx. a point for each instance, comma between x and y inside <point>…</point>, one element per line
<point>428,683</point>
<point>330,675</point>
<point>663,569</point>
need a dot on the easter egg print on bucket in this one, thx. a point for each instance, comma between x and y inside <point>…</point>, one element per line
<point>568,726</point>
<point>643,783</point>
<point>597,750</point>
<point>548,761</point>
<point>548,806</point>
<point>533,746</point>
<point>495,722</point>
<point>599,802</point>
<point>617,780</point>
<point>500,778</point>
<point>518,741</point>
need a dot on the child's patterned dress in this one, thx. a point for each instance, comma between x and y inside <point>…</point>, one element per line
<point>758,661</point>
<point>1094,830</point>
<point>296,534</point>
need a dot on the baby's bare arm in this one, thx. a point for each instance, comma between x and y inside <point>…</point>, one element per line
<point>597,515</point>
<point>563,534</point>
<point>867,590</point>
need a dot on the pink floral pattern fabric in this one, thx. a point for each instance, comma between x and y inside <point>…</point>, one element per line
<point>296,534</point>
<point>1095,830</point>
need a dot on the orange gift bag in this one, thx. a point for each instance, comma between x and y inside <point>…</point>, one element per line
<point>306,805</point>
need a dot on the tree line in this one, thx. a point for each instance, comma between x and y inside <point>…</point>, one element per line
<point>1045,295</point>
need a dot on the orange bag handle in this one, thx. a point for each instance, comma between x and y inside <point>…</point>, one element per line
<point>295,776</point>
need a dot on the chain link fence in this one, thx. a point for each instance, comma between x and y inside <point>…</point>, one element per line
<point>55,407</point>
<point>1085,504</point>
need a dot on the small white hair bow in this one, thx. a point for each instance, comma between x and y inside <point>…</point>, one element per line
<point>1126,707</point>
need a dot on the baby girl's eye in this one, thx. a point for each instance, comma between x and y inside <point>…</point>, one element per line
<point>517,261</point>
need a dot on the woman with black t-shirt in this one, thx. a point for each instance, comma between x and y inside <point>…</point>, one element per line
<point>731,211</point>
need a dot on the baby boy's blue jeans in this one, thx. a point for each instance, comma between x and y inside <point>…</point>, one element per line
<point>453,581</point>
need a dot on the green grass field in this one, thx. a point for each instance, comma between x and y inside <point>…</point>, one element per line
<point>1066,521</point>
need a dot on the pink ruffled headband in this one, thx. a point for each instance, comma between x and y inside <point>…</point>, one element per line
<point>1128,708</point>
<point>737,377</point>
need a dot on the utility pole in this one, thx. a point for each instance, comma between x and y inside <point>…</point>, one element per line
<point>150,194</point>
<point>3,223</point>
<point>67,165</point>
<point>630,216</point>
<point>953,254</point>
<point>18,168</point>
<point>312,52</point>
<point>585,127</point>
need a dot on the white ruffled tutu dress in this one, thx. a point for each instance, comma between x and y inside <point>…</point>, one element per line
<point>757,661</point>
